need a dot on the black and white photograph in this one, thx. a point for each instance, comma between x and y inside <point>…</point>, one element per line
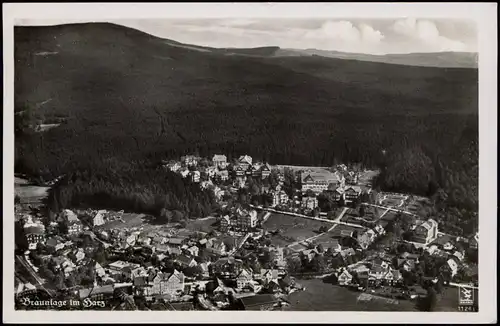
<point>250,161</point>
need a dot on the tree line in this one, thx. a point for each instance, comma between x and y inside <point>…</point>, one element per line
<point>131,186</point>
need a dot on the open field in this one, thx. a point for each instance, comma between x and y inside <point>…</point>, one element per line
<point>320,296</point>
<point>29,194</point>
<point>128,220</point>
<point>292,227</point>
<point>389,216</point>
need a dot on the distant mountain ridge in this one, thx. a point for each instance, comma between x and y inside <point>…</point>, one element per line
<point>431,59</point>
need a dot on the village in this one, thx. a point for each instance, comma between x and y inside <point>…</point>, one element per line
<point>275,227</point>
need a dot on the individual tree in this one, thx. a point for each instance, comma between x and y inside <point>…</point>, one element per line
<point>294,265</point>
<point>62,227</point>
<point>310,193</point>
<point>256,266</point>
<point>71,280</point>
<point>100,255</point>
<point>20,237</point>
<point>438,286</point>
<point>45,272</point>
<point>318,264</point>
<point>193,271</point>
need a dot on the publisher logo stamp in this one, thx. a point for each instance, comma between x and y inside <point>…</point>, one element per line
<point>465,296</point>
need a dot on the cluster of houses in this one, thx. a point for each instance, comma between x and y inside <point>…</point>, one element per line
<point>385,270</point>
<point>183,248</point>
<point>218,168</point>
<point>212,173</point>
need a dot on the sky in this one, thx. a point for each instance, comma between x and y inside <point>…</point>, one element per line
<point>370,36</point>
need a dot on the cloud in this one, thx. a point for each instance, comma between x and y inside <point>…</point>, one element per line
<point>345,31</point>
<point>347,35</point>
<point>426,32</point>
<point>238,22</point>
<point>370,35</point>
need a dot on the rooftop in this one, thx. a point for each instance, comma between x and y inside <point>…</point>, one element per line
<point>258,300</point>
<point>319,176</point>
<point>107,289</point>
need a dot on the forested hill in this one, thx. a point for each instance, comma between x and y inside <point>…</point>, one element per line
<point>435,59</point>
<point>124,94</point>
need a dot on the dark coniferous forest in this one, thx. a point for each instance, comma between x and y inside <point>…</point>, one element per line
<point>126,100</point>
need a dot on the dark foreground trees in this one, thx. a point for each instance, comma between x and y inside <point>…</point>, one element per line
<point>132,186</point>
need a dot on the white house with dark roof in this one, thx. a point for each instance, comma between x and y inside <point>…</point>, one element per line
<point>245,162</point>
<point>243,278</point>
<point>195,176</point>
<point>425,232</point>
<point>279,197</point>
<point>34,236</point>
<point>352,193</point>
<point>319,181</point>
<point>98,218</point>
<point>255,169</point>
<point>265,170</point>
<point>219,160</point>
<point>345,278</point>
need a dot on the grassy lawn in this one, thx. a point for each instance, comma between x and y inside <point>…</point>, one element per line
<point>128,220</point>
<point>391,202</point>
<point>296,228</point>
<point>320,296</point>
<point>29,194</point>
<point>389,216</point>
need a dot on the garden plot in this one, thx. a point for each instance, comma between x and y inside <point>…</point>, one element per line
<point>292,228</point>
